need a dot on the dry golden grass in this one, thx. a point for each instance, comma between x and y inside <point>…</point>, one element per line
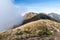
<point>29,15</point>
<point>32,29</point>
<point>41,23</point>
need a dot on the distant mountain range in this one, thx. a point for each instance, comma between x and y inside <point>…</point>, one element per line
<point>55,16</point>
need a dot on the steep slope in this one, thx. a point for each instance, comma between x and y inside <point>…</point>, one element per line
<point>36,30</point>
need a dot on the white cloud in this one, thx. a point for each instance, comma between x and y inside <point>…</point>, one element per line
<point>9,15</point>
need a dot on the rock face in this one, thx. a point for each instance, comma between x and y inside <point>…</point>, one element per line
<point>33,17</point>
<point>36,30</point>
<point>55,16</point>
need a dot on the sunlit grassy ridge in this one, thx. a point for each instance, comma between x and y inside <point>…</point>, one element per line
<point>29,15</point>
<point>33,29</point>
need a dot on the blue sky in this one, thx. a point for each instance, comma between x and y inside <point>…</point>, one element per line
<point>46,6</point>
<point>34,1</point>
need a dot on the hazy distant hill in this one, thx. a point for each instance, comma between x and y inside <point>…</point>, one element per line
<point>55,16</point>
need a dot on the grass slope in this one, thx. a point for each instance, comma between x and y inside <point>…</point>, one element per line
<point>32,31</point>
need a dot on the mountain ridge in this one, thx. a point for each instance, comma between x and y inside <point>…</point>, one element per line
<point>40,28</point>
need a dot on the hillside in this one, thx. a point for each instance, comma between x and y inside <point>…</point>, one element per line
<point>36,30</point>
